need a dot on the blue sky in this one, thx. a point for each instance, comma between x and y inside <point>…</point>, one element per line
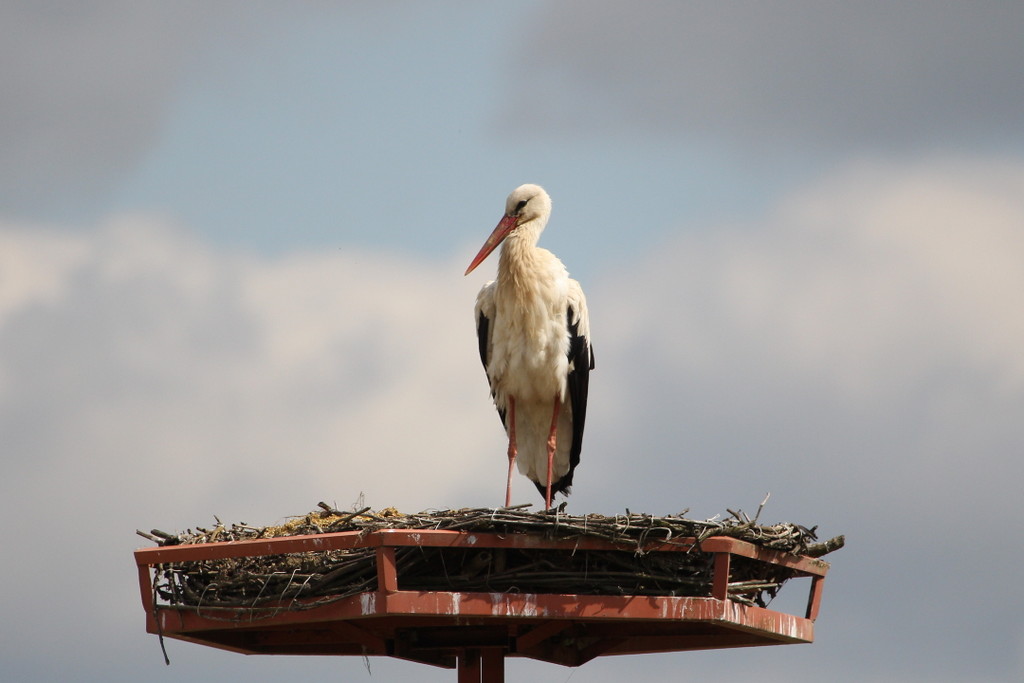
<point>232,238</point>
<point>355,113</point>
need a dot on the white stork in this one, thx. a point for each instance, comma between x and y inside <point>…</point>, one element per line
<point>534,336</point>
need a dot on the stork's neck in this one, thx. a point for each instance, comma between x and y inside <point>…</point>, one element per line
<point>519,254</point>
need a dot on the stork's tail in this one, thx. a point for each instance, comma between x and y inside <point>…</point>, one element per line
<point>562,486</point>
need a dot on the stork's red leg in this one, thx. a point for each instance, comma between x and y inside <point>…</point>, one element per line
<point>552,434</point>
<point>511,417</point>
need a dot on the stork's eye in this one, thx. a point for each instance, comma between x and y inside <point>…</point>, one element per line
<point>520,205</point>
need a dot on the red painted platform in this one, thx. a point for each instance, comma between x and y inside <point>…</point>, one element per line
<point>476,631</point>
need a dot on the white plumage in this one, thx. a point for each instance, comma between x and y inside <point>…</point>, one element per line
<point>534,336</point>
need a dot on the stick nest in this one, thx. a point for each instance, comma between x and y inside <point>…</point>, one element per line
<point>306,580</point>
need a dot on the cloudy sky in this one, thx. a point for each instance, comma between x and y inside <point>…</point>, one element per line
<point>232,238</point>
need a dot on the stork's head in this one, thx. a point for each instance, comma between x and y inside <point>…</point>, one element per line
<point>528,203</point>
<point>528,207</point>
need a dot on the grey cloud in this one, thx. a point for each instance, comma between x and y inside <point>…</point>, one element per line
<point>817,76</point>
<point>86,87</point>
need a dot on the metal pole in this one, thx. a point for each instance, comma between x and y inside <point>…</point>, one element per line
<point>484,665</point>
<point>493,665</point>
<point>469,666</point>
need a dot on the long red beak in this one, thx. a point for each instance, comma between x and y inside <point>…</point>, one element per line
<point>506,225</point>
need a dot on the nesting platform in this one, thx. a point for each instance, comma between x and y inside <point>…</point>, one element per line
<point>469,598</point>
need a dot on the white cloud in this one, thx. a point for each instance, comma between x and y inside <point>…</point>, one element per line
<point>885,275</point>
<point>34,267</point>
<point>874,317</point>
<point>326,364</point>
<point>876,276</point>
<point>147,380</point>
<point>856,353</point>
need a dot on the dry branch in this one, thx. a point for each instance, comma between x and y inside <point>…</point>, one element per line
<point>310,579</point>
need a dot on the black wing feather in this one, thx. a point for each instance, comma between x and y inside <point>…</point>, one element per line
<point>483,326</point>
<point>581,359</point>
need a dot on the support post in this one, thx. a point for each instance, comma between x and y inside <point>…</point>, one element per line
<point>387,571</point>
<point>814,599</point>
<point>493,659</point>
<point>469,666</point>
<point>720,582</point>
<point>483,665</point>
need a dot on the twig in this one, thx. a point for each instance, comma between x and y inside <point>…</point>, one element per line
<point>330,510</point>
<point>761,506</point>
<point>819,549</point>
